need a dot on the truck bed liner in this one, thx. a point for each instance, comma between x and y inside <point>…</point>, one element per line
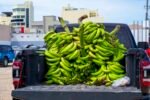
<point>77,92</point>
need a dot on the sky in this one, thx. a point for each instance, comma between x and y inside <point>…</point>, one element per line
<point>122,11</point>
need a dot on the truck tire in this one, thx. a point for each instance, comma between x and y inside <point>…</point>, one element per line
<point>5,62</point>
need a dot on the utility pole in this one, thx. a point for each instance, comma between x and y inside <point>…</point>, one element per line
<point>147,8</point>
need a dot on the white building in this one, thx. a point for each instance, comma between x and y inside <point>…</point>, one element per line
<point>5,18</point>
<point>23,15</point>
<point>72,14</point>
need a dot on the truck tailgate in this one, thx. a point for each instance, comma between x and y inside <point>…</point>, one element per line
<point>76,92</point>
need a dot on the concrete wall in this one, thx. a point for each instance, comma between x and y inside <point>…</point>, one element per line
<point>5,33</point>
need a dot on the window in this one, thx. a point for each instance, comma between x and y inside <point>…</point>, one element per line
<point>14,16</point>
<point>18,23</point>
<point>22,23</point>
<point>92,14</point>
<point>22,9</point>
<point>17,16</point>
<point>22,16</point>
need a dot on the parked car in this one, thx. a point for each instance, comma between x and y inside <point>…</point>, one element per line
<point>6,54</point>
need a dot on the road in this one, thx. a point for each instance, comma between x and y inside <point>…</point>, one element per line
<point>5,83</point>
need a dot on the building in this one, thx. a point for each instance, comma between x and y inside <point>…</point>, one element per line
<point>38,30</point>
<point>23,16</point>
<point>49,22</point>
<point>5,34</point>
<point>44,25</point>
<point>5,18</point>
<point>37,27</point>
<point>72,14</point>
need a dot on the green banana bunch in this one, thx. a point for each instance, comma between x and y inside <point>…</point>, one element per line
<point>87,54</point>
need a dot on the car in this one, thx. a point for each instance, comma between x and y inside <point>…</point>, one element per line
<point>7,55</point>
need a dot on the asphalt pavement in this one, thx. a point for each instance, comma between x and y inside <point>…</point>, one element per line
<point>6,85</point>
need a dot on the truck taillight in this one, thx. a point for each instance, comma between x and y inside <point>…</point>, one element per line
<point>17,76</point>
<point>145,74</point>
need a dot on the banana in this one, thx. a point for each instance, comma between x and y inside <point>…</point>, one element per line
<point>93,79</point>
<point>54,53</point>
<point>87,23</point>
<point>97,34</point>
<point>52,59</point>
<point>98,62</point>
<point>86,47</point>
<point>103,49</point>
<point>74,55</point>
<point>92,49</point>
<point>118,56</point>
<point>49,35</point>
<point>49,82</point>
<point>52,63</point>
<point>115,69</point>
<point>91,36</point>
<point>65,67</point>
<point>115,63</point>
<point>85,58</point>
<point>48,54</point>
<point>57,81</point>
<point>76,38</point>
<point>97,72</point>
<point>65,73</point>
<point>76,30</point>
<point>83,66</point>
<point>73,48</point>
<point>108,82</point>
<point>61,42</point>
<point>114,76</point>
<point>68,47</point>
<point>106,54</point>
<point>105,69</point>
<point>101,57</point>
<point>91,54</point>
<point>101,79</point>
<point>65,62</point>
<point>107,44</point>
<point>102,32</point>
<point>54,71</point>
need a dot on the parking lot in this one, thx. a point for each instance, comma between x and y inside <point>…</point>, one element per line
<point>5,83</point>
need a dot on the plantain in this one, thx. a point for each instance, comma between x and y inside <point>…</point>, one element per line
<point>68,47</point>
<point>65,67</point>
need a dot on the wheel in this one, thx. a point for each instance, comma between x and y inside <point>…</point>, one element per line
<point>5,62</point>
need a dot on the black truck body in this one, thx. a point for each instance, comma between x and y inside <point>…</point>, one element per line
<point>34,68</point>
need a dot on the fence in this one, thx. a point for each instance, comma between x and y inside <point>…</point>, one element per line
<point>141,31</point>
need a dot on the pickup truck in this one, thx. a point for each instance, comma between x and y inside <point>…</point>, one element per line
<point>29,69</point>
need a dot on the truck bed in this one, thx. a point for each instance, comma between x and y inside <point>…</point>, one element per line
<point>76,92</point>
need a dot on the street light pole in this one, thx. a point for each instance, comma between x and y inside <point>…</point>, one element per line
<point>147,8</point>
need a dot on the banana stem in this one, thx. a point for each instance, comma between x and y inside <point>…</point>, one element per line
<point>81,34</point>
<point>82,42</point>
<point>63,24</point>
<point>115,30</point>
<point>82,18</point>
